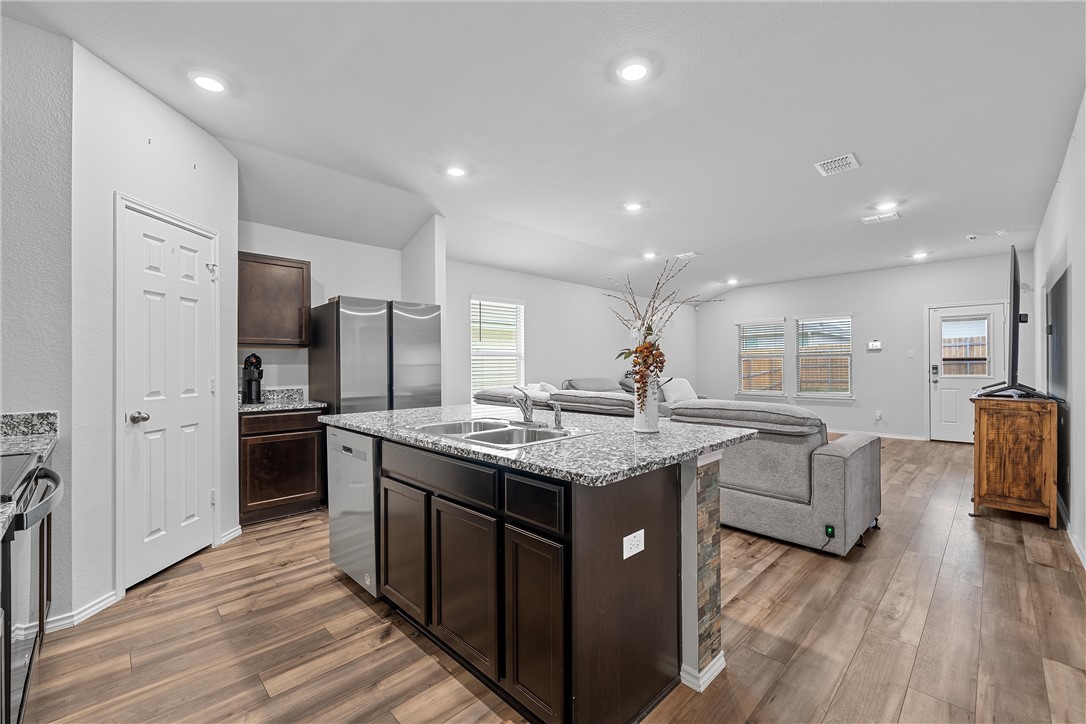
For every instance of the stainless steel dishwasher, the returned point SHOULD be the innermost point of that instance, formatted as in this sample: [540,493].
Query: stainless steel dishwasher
[351,524]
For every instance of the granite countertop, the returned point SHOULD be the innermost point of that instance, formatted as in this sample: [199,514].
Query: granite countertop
[279,400]
[42,444]
[615,453]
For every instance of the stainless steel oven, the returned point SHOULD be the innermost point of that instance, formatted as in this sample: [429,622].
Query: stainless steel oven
[26,561]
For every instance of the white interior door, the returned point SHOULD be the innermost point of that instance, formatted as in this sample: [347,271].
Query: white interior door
[966,351]
[167,357]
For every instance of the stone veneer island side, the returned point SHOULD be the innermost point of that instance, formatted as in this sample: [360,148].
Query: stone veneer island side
[513,559]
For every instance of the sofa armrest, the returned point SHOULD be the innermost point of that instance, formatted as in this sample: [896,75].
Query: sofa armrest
[852,464]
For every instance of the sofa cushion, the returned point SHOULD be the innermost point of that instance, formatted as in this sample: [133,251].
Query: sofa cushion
[748,413]
[796,430]
[678,389]
[600,399]
[592,384]
[502,395]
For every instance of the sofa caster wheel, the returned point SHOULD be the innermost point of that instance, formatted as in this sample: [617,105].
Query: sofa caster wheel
[875,525]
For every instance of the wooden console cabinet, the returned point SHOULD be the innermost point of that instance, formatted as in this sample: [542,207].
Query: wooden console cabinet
[1014,455]
[281,459]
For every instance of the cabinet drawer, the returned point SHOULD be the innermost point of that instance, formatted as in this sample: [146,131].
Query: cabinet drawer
[536,501]
[256,423]
[473,483]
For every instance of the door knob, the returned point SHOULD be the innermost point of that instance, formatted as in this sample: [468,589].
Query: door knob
[935,382]
[137,417]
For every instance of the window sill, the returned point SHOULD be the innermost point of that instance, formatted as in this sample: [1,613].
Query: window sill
[741,393]
[822,396]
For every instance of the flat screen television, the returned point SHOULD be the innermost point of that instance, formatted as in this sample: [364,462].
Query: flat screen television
[1011,387]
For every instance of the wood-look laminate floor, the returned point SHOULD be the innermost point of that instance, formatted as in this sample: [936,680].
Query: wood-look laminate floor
[942,618]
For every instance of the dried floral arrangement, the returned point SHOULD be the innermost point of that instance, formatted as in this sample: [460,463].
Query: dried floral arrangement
[646,324]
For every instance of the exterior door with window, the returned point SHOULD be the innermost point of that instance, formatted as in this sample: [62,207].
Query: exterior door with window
[966,351]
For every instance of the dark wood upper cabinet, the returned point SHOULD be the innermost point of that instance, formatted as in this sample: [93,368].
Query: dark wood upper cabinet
[273,301]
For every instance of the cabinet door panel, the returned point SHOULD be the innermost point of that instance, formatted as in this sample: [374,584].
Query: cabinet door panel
[273,300]
[535,622]
[404,560]
[280,470]
[465,583]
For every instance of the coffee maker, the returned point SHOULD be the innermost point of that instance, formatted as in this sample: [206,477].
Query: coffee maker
[250,380]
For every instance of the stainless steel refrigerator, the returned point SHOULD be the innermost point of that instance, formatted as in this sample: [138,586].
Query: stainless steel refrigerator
[371,354]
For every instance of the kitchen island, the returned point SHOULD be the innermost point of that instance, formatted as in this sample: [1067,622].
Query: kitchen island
[580,577]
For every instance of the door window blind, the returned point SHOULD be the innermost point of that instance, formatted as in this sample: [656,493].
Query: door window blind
[761,356]
[824,356]
[497,344]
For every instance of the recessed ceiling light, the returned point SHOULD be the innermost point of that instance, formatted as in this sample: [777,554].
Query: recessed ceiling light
[634,70]
[886,205]
[920,255]
[634,205]
[733,281]
[649,255]
[688,255]
[456,169]
[207,81]
[1004,232]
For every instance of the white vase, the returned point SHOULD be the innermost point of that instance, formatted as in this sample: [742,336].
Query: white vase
[649,419]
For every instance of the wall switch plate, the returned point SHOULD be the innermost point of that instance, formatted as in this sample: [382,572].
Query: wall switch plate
[874,345]
[633,543]
[878,415]
[911,354]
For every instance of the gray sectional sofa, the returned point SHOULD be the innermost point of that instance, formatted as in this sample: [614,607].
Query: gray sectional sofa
[790,482]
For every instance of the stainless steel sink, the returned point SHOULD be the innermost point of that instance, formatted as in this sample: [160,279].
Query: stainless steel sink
[462,427]
[500,433]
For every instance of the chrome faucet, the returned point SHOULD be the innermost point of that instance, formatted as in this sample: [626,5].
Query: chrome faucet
[524,403]
[557,415]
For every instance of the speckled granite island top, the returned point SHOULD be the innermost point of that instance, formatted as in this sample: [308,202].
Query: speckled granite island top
[615,453]
[281,400]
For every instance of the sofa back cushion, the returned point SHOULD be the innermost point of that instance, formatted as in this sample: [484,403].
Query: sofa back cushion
[763,416]
[592,384]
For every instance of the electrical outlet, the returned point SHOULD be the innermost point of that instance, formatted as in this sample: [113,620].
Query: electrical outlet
[878,415]
[910,354]
[633,543]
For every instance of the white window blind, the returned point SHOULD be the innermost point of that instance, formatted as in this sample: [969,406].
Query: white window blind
[761,356]
[824,356]
[497,344]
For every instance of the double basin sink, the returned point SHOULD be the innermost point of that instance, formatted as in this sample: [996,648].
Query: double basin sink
[501,433]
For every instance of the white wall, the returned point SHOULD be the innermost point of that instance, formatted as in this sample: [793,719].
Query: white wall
[888,305]
[569,330]
[337,267]
[124,139]
[1061,246]
[36,170]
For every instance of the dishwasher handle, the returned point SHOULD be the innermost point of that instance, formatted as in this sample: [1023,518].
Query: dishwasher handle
[53,484]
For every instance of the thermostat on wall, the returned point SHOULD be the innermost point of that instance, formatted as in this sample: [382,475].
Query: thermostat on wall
[874,345]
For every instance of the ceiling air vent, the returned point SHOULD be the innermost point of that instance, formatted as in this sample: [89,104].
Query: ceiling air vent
[880,218]
[837,165]
[688,255]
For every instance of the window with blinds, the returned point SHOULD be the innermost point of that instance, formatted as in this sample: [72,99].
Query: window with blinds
[761,357]
[824,356]
[497,344]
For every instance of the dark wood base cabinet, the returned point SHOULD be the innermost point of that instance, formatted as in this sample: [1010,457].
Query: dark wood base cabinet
[522,579]
[281,460]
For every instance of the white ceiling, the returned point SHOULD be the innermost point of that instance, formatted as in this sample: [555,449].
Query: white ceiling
[342,113]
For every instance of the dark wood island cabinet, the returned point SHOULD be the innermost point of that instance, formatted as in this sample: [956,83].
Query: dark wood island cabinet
[519,577]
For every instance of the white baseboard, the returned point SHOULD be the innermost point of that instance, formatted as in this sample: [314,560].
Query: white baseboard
[231,534]
[66,620]
[880,434]
[1061,506]
[699,680]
